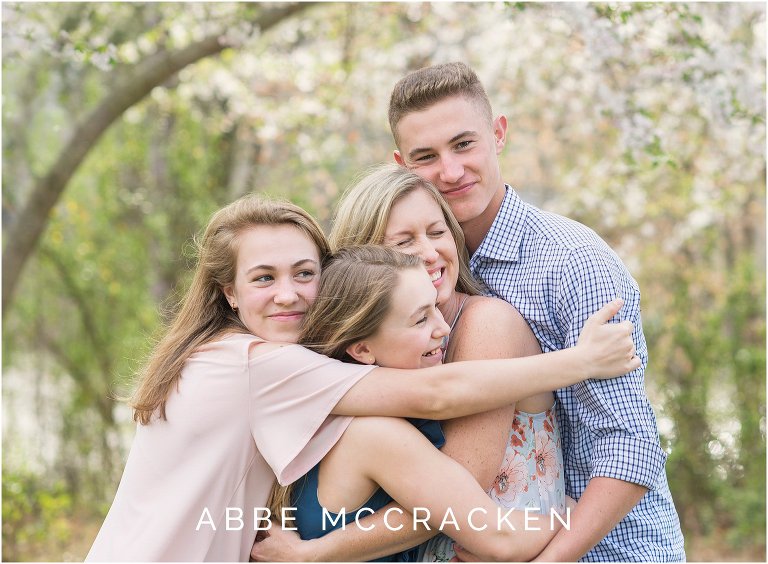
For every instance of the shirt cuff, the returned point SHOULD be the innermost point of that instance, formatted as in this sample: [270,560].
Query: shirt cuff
[629,458]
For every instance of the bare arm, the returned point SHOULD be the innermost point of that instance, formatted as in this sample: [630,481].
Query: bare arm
[395,455]
[403,462]
[489,328]
[378,538]
[417,393]
[461,388]
[604,503]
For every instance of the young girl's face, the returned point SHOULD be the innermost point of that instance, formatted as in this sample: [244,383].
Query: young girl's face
[412,332]
[278,271]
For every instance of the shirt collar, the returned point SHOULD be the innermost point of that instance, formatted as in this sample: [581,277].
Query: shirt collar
[502,242]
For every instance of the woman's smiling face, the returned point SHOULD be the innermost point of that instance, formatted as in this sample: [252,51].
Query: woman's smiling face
[416,226]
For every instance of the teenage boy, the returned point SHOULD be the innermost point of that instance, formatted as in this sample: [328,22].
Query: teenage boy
[556,272]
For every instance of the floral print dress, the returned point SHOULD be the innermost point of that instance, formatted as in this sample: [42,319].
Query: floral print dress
[531,475]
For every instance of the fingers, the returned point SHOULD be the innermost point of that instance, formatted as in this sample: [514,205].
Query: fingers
[626,328]
[633,361]
[605,313]
[260,537]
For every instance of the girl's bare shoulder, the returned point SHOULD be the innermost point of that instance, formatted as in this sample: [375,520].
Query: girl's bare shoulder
[491,328]
[482,308]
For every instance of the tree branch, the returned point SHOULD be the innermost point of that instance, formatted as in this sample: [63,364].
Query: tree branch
[87,317]
[26,230]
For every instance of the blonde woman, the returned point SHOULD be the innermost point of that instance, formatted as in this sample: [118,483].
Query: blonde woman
[513,452]
[227,401]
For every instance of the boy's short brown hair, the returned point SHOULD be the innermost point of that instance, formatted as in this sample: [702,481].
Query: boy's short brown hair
[420,89]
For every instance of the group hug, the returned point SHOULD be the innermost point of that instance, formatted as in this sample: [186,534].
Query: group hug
[449,374]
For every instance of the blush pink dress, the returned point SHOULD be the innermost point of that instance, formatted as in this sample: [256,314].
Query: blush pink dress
[236,421]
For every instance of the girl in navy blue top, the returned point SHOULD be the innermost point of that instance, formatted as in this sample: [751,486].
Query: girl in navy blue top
[377,306]
[312,522]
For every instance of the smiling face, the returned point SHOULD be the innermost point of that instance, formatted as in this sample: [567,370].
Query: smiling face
[278,270]
[453,145]
[412,331]
[417,226]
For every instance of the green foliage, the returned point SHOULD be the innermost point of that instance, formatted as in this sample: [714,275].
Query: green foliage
[34,513]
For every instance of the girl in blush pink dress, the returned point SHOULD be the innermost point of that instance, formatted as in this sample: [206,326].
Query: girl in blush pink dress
[227,401]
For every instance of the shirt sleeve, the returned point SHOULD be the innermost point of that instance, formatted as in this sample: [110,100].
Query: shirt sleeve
[616,413]
[292,393]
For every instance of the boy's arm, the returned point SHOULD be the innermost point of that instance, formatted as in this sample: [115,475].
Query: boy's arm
[626,457]
[604,503]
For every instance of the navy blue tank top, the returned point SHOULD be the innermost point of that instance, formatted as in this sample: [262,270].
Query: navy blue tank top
[309,512]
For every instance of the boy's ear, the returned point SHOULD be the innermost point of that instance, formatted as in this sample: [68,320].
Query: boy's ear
[399,158]
[361,352]
[500,132]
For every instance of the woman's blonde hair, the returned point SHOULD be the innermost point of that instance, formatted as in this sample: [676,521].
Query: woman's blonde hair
[365,207]
[354,298]
[204,313]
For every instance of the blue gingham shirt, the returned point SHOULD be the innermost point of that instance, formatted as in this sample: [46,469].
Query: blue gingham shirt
[557,272]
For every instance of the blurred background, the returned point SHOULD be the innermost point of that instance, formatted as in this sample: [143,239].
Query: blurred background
[125,125]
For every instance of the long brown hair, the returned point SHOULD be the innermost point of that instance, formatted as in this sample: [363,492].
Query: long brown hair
[365,207]
[203,312]
[353,299]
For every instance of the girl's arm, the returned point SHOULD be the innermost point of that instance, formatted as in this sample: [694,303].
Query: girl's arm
[454,390]
[377,537]
[488,328]
[442,392]
[395,455]
[477,442]
[403,462]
